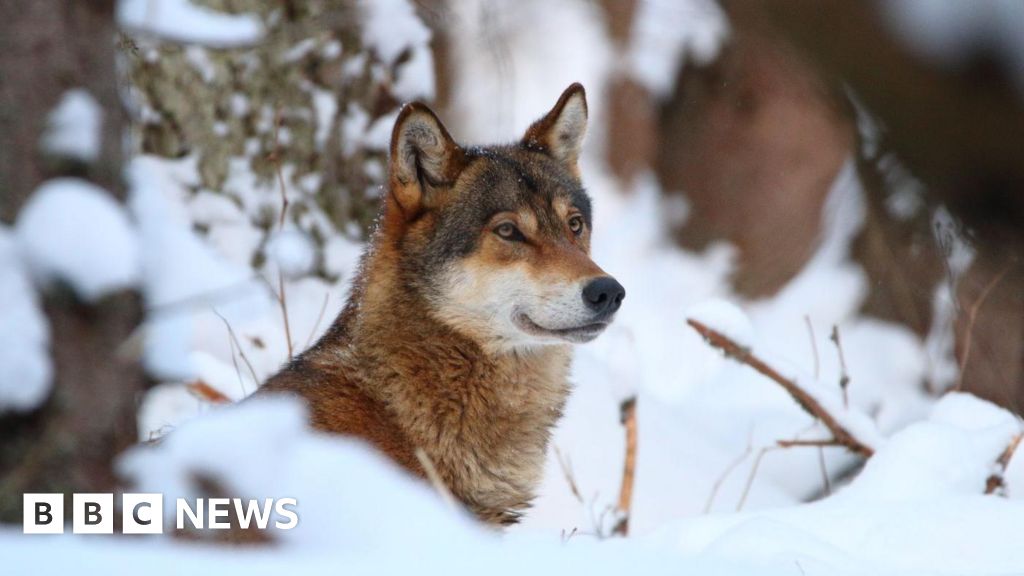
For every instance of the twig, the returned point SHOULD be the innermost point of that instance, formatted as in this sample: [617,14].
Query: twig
[319,319]
[726,473]
[844,376]
[628,418]
[995,482]
[824,471]
[275,158]
[435,478]
[753,473]
[283,301]
[972,316]
[814,347]
[830,442]
[241,352]
[566,466]
[207,392]
[840,434]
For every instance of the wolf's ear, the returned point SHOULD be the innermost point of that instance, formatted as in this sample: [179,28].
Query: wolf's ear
[424,158]
[560,132]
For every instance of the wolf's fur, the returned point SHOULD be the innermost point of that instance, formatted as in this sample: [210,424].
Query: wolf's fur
[456,339]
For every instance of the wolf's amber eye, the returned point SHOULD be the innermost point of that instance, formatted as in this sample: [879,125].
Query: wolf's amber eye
[576,224]
[508,231]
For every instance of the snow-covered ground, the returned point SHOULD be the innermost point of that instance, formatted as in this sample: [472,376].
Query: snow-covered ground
[709,498]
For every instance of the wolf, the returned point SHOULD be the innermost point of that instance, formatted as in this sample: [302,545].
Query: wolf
[453,349]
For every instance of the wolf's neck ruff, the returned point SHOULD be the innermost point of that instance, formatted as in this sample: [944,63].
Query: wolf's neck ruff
[483,419]
[455,339]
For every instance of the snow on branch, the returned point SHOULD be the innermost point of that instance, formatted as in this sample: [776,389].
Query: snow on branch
[842,434]
[183,21]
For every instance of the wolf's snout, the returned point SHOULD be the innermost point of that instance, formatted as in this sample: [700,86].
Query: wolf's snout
[604,295]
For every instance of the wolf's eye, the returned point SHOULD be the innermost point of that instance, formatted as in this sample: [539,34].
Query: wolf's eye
[576,224]
[508,231]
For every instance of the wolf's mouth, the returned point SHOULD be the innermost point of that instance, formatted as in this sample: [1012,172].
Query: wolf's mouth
[576,334]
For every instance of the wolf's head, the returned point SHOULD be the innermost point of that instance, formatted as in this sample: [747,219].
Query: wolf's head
[496,239]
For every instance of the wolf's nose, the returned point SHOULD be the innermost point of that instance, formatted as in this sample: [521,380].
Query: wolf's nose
[604,295]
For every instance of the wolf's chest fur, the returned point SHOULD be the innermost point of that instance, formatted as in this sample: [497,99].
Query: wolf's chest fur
[483,421]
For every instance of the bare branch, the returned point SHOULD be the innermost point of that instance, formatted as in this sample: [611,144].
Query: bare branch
[282,300]
[207,393]
[628,415]
[829,443]
[844,376]
[235,343]
[826,483]
[319,319]
[566,466]
[840,434]
[752,475]
[726,473]
[814,346]
[972,316]
[995,482]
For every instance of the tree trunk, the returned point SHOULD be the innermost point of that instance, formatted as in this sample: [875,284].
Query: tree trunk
[68,444]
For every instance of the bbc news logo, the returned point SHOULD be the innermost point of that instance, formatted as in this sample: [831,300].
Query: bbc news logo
[144,513]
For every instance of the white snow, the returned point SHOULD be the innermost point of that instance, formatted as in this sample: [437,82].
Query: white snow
[74,128]
[360,514]
[72,231]
[703,419]
[391,26]
[726,318]
[182,276]
[666,33]
[187,22]
[25,368]
[263,447]
[416,78]
[292,252]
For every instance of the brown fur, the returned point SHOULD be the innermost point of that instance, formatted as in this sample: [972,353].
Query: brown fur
[393,372]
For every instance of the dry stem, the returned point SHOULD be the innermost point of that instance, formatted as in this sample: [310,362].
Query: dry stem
[995,481]
[814,346]
[628,414]
[844,376]
[235,343]
[726,473]
[972,316]
[840,434]
[282,300]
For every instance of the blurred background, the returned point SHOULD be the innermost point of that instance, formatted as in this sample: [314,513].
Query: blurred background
[185,188]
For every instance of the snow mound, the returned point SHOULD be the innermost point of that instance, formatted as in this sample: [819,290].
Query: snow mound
[72,231]
[183,276]
[918,506]
[292,252]
[726,318]
[390,27]
[25,370]
[187,22]
[349,498]
[953,452]
[74,128]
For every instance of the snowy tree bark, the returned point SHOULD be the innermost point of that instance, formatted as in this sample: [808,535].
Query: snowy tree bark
[67,444]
